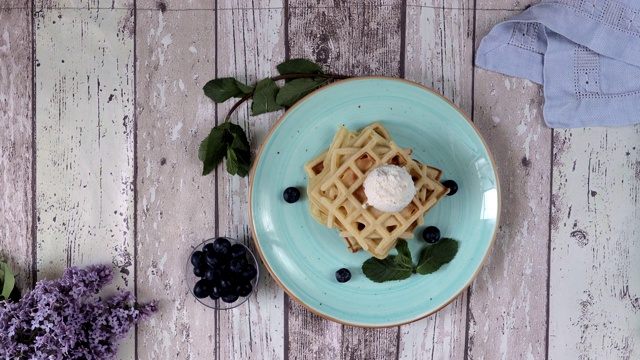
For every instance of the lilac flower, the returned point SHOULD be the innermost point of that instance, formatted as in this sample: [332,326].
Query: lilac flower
[62,319]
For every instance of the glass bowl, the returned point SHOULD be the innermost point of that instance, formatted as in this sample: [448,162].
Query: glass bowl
[221,270]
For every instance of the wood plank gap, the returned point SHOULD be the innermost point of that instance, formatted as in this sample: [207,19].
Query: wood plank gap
[287,45]
[403,53]
[473,92]
[216,211]
[468,322]
[548,313]
[471,117]
[34,212]
[135,169]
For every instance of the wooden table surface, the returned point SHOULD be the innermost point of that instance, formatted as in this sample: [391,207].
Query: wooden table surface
[102,112]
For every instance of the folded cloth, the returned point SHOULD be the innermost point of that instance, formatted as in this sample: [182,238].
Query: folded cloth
[585,53]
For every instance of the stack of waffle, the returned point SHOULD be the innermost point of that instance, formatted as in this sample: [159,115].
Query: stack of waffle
[337,198]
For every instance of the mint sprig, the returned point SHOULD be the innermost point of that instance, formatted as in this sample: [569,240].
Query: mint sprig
[400,266]
[7,281]
[433,257]
[393,267]
[301,77]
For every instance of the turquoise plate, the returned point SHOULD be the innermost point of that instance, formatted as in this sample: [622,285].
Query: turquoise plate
[303,256]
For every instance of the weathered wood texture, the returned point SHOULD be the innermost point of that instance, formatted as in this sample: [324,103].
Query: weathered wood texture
[116,96]
[84,149]
[250,42]
[16,139]
[508,300]
[595,244]
[176,206]
[352,38]
[438,54]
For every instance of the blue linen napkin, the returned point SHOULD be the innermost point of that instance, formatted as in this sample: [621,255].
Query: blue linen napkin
[585,53]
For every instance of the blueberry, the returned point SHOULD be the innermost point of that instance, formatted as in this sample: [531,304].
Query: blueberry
[227,285]
[221,246]
[238,250]
[215,293]
[207,248]
[199,271]
[244,289]
[211,274]
[343,275]
[248,272]
[202,289]
[291,195]
[229,298]
[214,261]
[196,258]
[431,234]
[452,185]
[237,264]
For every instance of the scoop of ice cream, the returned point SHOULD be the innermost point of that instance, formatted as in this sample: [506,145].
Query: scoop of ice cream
[389,188]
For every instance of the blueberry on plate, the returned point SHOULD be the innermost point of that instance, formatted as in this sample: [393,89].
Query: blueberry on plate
[343,275]
[452,185]
[291,195]
[431,234]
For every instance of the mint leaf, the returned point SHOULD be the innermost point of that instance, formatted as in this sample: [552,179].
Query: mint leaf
[434,256]
[299,66]
[220,90]
[240,141]
[212,150]
[246,89]
[393,267]
[8,280]
[264,97]
[226,140]
[296,89]
[237,163]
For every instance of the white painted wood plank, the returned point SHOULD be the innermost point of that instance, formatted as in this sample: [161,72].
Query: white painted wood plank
[82,4]
[595,244]
[250,42]
[84,147]
[508,300]
[176,205]
[439,50]
[350,38]
[16,154]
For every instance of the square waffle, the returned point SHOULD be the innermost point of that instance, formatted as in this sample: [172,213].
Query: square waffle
[337,197]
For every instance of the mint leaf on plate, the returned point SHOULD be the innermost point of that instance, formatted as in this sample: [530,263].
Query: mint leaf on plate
[264,97]
[299,66]
[296,89]
[393,267]
[434,256]
[220,90]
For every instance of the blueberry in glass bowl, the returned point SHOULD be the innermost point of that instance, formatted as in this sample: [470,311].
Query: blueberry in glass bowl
[221,273]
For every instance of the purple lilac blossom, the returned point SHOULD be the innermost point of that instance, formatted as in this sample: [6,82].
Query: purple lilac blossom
[63,319]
